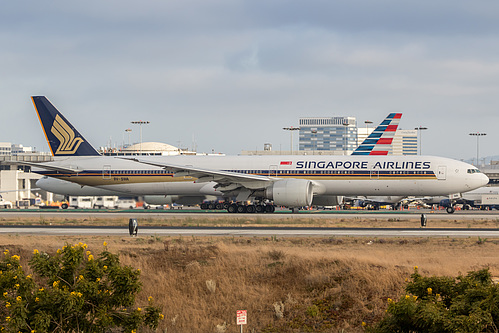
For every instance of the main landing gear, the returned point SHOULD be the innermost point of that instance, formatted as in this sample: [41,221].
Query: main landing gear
[239,207]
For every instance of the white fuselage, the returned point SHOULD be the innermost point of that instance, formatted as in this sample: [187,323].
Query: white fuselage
[331,175]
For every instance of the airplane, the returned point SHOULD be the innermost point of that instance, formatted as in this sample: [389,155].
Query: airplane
[291,181]
[377,143]
[382,136]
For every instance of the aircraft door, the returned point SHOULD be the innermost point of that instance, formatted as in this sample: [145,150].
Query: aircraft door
[442,172]
[106,172]
[273,171]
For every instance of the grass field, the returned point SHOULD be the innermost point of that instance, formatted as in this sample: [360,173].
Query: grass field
[286,284]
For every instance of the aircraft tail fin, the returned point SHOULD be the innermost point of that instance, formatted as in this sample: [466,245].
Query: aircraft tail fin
[380,140]
[62,137]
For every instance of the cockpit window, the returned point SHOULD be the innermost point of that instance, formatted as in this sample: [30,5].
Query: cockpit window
[474,171]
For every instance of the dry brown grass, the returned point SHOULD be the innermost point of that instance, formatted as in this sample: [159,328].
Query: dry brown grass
[350,277]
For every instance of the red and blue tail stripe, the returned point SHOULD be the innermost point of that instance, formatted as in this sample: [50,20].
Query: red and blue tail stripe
[380,140]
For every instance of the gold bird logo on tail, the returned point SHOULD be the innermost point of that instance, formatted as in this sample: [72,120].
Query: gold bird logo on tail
[68,142]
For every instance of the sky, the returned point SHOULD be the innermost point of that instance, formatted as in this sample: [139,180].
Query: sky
[227,76]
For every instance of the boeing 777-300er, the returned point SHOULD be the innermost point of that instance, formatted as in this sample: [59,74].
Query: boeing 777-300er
[291,181]
[377,143]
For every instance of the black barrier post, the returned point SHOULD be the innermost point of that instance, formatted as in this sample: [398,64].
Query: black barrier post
[133,227]
[423,221]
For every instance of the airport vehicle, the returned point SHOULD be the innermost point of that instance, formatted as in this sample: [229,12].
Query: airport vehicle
[291,181]
[5,203]
[81,202]
[108,201]
[125,203]
[484,198]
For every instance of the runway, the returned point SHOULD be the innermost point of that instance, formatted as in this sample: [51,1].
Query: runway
[251,231]
[196,213]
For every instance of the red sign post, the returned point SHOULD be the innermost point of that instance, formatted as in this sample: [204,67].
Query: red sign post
[242,318]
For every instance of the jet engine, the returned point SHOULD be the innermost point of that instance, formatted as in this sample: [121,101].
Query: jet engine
[291,192]
[327,200]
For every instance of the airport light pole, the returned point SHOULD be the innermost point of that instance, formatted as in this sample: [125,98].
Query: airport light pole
[367,122]
[128,130]
[478,135]
[291,129]
[419,129]
[140,123]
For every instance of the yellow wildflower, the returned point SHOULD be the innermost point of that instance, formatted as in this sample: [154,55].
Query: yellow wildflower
[7,319]
[17,286]
[364,324]
[16,257]
[59,251]
[429,291]
[7,304]
[415,267]
[105,267]
[139,309]
[90,257]
[56,284]
[5,294]
[149,298]
[18,298]
[37,299]
[6,252]
[105,243]
[98,279]
[89,253]
[35,251]
[407,296]
[41,289]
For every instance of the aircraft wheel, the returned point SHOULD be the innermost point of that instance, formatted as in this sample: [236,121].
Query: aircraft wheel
[226,205]
[450,209]
[204,206]
[232,208]
[241,209]
[211,206]
[269,209]
[250,209]
[259,208]
[218,206]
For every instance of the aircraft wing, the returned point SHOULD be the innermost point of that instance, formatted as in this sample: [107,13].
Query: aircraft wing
[224,179]
[43,166]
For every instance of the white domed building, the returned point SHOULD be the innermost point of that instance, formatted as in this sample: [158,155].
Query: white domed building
[149,149]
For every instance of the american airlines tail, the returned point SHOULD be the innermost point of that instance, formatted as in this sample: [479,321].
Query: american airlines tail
[62,137]
[380,140]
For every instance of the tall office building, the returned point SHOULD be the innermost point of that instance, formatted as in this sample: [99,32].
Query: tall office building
[405,142]
[328,134]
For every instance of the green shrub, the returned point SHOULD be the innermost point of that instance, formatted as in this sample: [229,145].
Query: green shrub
[71,291]
[444,304]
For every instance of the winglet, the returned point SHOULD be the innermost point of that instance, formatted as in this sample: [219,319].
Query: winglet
[379,141]
[62,137]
